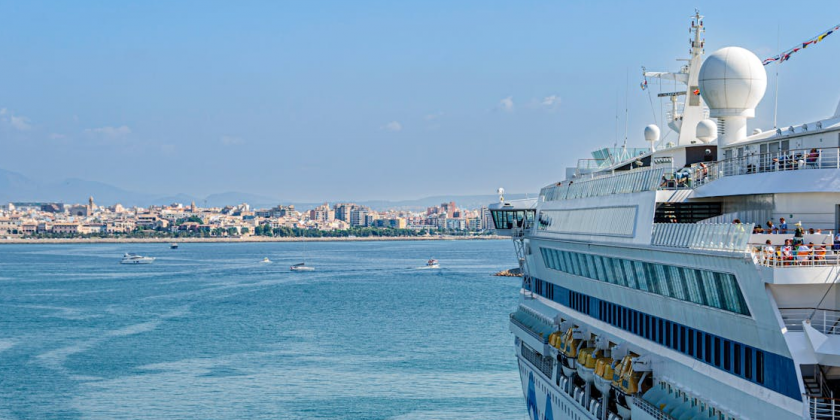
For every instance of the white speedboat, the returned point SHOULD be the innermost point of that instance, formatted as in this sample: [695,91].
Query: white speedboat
[432,263]
[173,246]
[301,267]
[136,259]
[266,260]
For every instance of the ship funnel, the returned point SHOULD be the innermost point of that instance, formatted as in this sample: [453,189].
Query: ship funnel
[732,82]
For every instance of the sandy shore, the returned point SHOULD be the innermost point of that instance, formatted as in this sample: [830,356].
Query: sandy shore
[247,239]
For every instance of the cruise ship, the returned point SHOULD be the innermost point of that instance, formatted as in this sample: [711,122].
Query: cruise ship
[654,286]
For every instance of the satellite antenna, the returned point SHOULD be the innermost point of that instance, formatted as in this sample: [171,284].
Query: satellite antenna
[501,192]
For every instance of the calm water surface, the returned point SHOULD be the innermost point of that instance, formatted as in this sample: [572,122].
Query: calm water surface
[210,332]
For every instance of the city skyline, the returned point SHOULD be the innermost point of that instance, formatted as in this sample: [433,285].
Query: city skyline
[367,100]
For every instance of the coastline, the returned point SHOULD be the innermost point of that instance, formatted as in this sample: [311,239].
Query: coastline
[249,239]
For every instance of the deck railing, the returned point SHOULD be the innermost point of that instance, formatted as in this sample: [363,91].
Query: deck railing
[820,408]
[710,236]
[622,182]
[826,321]
[779,257]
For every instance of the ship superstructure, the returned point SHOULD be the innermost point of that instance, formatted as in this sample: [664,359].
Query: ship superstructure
[654,287]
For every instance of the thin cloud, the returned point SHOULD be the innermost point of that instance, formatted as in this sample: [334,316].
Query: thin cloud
[109,132]
[232,141]
[19,123]
[550,101]
[57,136]
[393,126]
[432,117]
[506,104]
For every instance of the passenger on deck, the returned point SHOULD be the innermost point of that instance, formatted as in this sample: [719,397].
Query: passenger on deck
[819,253]
[811,231]
[768,251]
[771,228]
[813,157]
[836,245]
[798,234]
[787,251]
[782,226]
[803,254]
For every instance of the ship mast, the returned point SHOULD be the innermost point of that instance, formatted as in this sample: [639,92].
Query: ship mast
[693,109]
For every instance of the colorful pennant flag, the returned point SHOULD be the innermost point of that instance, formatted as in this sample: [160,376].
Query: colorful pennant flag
[785,55]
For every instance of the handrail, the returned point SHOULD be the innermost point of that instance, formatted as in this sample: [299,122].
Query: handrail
[539,336]
[826,321]
[793,258]
[822,408]
[619,182]
[712,236]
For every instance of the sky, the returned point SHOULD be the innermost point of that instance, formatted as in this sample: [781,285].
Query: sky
[326,100]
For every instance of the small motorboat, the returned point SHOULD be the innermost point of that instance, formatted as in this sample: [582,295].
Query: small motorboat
[173,246]
[266,260]
[432,263]
[301,267]
[136,259]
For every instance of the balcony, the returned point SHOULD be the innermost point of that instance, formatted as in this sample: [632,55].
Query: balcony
[704,236]
[820,257]
[826,321]
[820,408]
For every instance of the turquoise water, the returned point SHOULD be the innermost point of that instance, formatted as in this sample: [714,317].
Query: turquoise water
[210,332]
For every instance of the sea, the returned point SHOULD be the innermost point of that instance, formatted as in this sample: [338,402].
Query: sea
[209,331]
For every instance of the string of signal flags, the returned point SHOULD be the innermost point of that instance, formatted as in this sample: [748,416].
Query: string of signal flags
[785,56]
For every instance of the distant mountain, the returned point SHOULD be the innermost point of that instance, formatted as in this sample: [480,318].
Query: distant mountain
[15,187]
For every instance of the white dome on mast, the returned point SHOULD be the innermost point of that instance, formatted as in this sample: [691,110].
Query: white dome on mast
[732,82]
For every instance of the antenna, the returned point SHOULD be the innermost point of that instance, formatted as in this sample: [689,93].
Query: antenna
[776,95]
[626,110]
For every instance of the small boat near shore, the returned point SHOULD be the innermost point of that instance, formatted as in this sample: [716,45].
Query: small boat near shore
[129,258]
[431,264]
[301,267]
[173,246]
[266,260]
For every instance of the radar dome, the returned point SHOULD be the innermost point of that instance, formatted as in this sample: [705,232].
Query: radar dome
[706,131]
[732,82]
[652,133]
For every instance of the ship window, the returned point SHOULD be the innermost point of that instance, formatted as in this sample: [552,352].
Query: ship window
[682,339]
[641,278]
[691,342]
[660,336]
[630,272]
[707,353]
[668,333]
[727,358]
[717,351]
[662,280]
[675,337]
[676,283]
[699,339]
[759,366]
[711,289]
[748,362]
[737,359]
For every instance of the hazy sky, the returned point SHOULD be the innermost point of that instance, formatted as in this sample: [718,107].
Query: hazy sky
[316,100]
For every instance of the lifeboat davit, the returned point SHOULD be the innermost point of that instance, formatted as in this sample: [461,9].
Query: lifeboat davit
[569,352]
[628,381]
